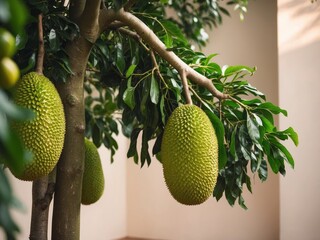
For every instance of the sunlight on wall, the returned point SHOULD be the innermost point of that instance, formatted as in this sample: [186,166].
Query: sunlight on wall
[299,60]
[296,22]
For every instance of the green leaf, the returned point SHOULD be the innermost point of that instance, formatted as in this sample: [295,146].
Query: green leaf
[263,170]
[162,110]
[270,155]
[53,40]
[253,129]
[157,145]
[242,202]
[13,111]
[173,31]
[96,135]
[130,70]
[219,129]
[292,134]
[154,90]
[15,15]
[21,40]
[133,143]
[145,156]
[233,142]
[272,108]
[268,126]
[120,63]
[128,97]
[219,188]
[208,59]
[230,198]
[15,156]
[248,183]
[230,70]
[284,150]
[254,91]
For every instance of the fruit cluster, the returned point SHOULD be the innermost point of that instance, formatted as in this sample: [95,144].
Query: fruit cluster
[9,71]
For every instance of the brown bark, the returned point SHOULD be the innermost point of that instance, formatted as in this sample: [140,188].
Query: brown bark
[67,200]
[42,192]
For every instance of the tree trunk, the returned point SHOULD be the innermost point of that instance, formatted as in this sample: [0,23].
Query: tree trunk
[42,192]
[67,199]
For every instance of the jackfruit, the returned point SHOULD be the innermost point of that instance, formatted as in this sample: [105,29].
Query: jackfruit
[44,135]
[189,154]
[93,178]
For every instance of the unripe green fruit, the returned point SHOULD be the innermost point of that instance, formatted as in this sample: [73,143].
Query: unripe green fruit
[7,43]
[189,154]
[43,135]
[93,178]
[9,73]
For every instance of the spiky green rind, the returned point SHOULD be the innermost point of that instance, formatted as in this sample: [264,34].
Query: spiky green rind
[44,135]
[189,154]
[93,178]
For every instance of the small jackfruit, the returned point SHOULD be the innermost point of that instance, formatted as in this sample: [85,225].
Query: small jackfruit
[43,135]
[93,178]
[189,154]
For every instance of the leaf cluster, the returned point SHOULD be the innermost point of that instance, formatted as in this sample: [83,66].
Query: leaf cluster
[146,89]
[57,31]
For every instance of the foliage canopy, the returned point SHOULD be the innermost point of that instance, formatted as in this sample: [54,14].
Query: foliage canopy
[129,86]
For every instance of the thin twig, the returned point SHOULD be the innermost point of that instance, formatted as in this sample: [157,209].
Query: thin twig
[237,101]
[186,92]
[40,57]
[116,24]
[129,33]
[155,64]
[197,96]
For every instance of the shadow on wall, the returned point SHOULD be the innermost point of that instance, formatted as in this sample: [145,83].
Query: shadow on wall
[295,12]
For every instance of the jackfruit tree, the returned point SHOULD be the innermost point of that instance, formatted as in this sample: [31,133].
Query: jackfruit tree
[132,59]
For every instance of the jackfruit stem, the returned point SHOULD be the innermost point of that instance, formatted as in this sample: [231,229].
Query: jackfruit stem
[185,86]
[40,57]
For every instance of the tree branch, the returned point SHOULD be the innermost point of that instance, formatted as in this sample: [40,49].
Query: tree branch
[158,46]
[89,20]
[107,18]
[76,8]
[42,193]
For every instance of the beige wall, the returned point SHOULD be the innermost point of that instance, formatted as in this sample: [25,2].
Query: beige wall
[299,71]
[152,212]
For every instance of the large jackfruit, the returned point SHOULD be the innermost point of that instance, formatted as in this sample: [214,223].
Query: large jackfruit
[93,178]
[189,154]
[44,135]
